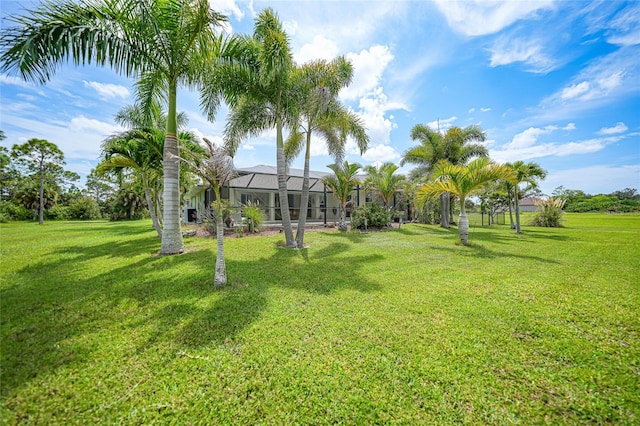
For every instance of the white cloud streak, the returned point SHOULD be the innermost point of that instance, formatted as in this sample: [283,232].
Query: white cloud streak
[478,17]
[618,128]
[108,91]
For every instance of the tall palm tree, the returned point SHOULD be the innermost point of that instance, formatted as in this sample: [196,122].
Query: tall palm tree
[383,182]
[164,44]
[528,173]
[216,167]
[256,79]
[457,146]
[463,181]
[342,183]
[321,113]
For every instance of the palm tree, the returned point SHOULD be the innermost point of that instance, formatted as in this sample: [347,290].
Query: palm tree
[141,152]
[164,44]
[383,182]
[463,181]
[256,79]
[525,173]
[216,167]
[141,149]
[456,146]
[342,183]
[321,112]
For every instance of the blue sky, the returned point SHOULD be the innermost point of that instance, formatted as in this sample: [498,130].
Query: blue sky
[555,82]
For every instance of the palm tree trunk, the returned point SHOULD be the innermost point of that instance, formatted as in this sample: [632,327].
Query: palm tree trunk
[152,211]
[444,210]
[171,234]
[157,205]
[304,197]
[515,197]
[220,277]
[342,225]
[41,201]
[509,202]
[282,187]
[463,223]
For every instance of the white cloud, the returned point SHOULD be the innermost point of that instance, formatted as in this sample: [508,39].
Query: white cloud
[15,81]
[320,48]
[381,153]
[485,109]
[623,28]
[83,125]
[227,7]
[531,149]
[569,126]
[507,50]
[471,110]
[108,91]
[575,90]
[477,17]
[442,123]
[529,137]
[605,80]
[618,128]
[368,67]
[372,110]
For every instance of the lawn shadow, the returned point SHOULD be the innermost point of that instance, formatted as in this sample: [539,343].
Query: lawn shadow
[40,330]
[251,284]
[473,249]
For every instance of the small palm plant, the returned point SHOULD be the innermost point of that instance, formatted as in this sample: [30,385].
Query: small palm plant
[463,181]
[216,167]
[254,215]
[342,183]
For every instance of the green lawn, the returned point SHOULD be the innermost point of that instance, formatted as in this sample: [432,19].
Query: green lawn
[401,327]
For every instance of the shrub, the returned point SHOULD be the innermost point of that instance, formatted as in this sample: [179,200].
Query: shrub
[550,213]
[376,215]
[58,212]
[84,208]
[11,211]
[254,216]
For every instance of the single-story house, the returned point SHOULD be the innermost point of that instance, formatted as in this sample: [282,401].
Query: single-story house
[529,204]
[259,184]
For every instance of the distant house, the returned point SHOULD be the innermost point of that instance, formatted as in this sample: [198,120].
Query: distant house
[259,184]
[529,204]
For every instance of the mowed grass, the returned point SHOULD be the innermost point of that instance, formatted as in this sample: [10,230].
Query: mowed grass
[396,327]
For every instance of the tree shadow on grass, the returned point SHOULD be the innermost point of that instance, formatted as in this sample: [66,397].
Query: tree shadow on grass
[59,298]
[320,272]
[474,249]
[63,304]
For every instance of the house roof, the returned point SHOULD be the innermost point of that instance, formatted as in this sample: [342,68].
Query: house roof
[271,170]
[530,201]
[265,177]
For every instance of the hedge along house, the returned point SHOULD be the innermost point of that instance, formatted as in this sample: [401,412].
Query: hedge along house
[259,184]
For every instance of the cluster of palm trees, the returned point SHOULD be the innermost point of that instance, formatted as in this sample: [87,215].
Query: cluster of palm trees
[168,44]
[457,164]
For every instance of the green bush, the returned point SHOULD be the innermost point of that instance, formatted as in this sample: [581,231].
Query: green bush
[10,211]
[84,208]
[58,212]
[253,214]
[550,213]
[376,215]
